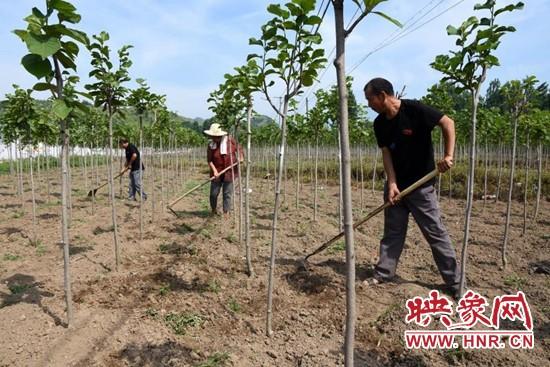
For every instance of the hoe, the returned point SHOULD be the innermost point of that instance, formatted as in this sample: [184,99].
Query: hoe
[401,195]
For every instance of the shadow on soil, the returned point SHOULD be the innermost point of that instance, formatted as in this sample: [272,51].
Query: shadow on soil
[155,355]
[25,289]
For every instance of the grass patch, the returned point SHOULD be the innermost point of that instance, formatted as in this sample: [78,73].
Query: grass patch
[213,286]
[515,281]
[206,233]
[151,312]
[216,360]
[386,317]
[184,229]
[180,322]
[339,246]
[231,238]
[234,305]
[18,288]
[40,250]
[18,214]
[164,289]
[11,257]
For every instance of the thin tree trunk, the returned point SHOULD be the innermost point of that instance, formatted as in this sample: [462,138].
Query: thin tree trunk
[500,164]
[510,190]
[485,175]
[470,192]
[361,172]
[48,173]
[315,183]
[271,279]
[526,187]
[233,189]
[539,181]
[20,176]
[34,236]
[298,177]
[64,199]
[141,178]
[162,181]
[239,181]
[69,188]
[346,183]
[340,187]
[249,268]
[112,193]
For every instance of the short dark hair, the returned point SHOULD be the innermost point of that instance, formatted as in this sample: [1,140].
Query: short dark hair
[122,141]
[379,85]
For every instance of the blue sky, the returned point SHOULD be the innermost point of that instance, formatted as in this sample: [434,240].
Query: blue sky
[183,48]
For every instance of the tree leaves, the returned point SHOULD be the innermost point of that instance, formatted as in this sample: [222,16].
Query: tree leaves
[60,109]
[387,17]
[37,66]
[42,45]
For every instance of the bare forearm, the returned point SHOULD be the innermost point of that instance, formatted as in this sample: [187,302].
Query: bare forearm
[388,166]
[448,131]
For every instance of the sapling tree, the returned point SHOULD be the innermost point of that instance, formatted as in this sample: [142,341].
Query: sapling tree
[53,48]
[108,92]
[21,123]
[161,120]
[466,68]
[366,7]
[540,130]
[290,54]
[517,97]
[244,83]
[140,99]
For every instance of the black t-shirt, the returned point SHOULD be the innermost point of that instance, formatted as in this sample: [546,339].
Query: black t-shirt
[130,150]
[408,136]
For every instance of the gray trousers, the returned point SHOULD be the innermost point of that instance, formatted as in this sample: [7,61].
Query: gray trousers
[134,185]
[215,187]
[422,204]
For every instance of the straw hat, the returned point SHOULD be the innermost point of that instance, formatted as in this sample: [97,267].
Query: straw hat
[215,130]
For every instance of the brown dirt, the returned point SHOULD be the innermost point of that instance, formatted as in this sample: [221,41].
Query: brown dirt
[194,266]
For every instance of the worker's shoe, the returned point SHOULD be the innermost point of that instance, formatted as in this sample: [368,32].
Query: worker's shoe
[374,281]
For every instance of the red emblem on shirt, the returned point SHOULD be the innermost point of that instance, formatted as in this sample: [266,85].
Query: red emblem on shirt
[407,132]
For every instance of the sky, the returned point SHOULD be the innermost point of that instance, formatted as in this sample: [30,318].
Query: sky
[183,48]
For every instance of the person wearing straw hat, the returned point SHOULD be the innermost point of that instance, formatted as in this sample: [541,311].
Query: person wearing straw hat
[221,154]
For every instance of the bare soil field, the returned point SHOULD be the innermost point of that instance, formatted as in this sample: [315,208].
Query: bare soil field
[182,296]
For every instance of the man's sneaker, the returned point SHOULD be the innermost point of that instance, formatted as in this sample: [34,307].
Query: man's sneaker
[131,198]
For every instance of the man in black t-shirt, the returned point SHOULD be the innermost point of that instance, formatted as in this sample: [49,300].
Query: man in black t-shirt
[133,162]
[403,131]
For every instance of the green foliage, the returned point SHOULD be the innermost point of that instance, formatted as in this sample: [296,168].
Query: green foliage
[53,47]
[40,250]
[515,281]
[234,305]
[477,40]
[180,322]
[140,98]
[213,286]
[336,248]
[164,289]
[108,91]
[290,50]
[216,360]
[18,288]
[11,257]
